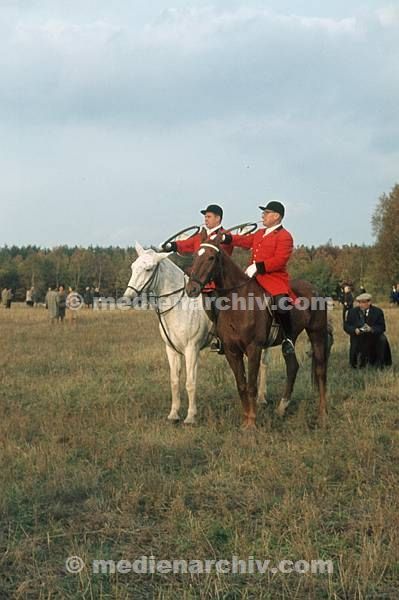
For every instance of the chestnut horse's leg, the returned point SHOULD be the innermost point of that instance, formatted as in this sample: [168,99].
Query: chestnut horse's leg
[262,379]
[236,362]
[319,340]
[292,367]
[254,353]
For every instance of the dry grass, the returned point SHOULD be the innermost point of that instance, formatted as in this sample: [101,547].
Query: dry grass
[89,466]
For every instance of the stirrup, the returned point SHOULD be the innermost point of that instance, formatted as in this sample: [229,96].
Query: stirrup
[288,346]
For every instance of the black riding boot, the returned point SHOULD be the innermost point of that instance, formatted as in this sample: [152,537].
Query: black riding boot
[284,318]
[213,313]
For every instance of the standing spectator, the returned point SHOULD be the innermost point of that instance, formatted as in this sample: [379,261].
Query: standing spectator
[10,297]
[347,301]
[29,297]
[49,289]
[393,297]
[35,297]
[97,298]
[72,306]
[339,292]
[4,294]
[52,304]
[368,343]
[62,297]
[88,297]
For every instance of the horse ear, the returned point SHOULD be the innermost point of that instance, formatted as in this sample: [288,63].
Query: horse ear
[139,249]
[203,234]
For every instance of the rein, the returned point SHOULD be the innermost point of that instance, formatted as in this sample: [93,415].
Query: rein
[160,313]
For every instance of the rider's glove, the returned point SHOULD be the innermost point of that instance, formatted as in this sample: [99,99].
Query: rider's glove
[255,269]
[251,270]
[169,247]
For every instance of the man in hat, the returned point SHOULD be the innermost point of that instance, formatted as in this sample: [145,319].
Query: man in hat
[271,251]
[213,215]
[368,343]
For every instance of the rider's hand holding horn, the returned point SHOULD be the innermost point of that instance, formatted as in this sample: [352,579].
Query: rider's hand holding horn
[169,247]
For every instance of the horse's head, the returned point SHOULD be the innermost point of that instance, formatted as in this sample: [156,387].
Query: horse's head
[206,262]
[144,270]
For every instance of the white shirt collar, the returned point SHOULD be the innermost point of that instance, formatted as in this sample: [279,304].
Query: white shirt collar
[209,231]
[270,229]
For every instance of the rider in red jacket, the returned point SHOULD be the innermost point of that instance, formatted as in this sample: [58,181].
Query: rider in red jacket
[213,216]
[271,250]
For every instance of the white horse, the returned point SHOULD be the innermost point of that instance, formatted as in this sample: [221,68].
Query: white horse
[183,323]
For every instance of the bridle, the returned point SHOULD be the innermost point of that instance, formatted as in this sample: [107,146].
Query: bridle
[147,283]
[193,277]
[209,277]
[156,297]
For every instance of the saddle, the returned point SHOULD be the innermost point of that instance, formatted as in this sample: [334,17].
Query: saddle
[276,333]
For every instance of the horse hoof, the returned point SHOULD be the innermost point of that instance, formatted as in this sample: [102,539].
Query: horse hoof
[282,407]
[174,419]
[322,421]
[261,402]
[189,421]
[248,427]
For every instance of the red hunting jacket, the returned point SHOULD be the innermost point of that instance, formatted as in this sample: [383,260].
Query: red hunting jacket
[192,245]
[274,250]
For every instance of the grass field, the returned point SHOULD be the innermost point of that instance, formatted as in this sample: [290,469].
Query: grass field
[90,467]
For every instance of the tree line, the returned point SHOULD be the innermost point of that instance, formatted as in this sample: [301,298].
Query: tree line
[375,267]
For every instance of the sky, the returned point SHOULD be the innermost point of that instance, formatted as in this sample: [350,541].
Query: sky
[120,120]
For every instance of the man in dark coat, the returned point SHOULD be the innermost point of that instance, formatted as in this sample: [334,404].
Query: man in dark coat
[368,343]
[347,301]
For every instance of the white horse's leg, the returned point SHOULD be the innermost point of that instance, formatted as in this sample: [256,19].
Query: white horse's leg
[174,359]
[191,356]
[282,407]
[262,380]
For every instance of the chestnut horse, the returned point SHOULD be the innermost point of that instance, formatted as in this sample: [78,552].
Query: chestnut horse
[244,324]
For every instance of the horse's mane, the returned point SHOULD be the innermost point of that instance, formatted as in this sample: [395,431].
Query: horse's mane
[169,258]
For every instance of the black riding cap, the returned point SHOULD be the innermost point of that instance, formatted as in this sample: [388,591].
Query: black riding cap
[274,206]
[215,209]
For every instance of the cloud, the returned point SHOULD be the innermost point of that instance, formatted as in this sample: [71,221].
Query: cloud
[166,116]
[189,65]
[388,16]
[194,59]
